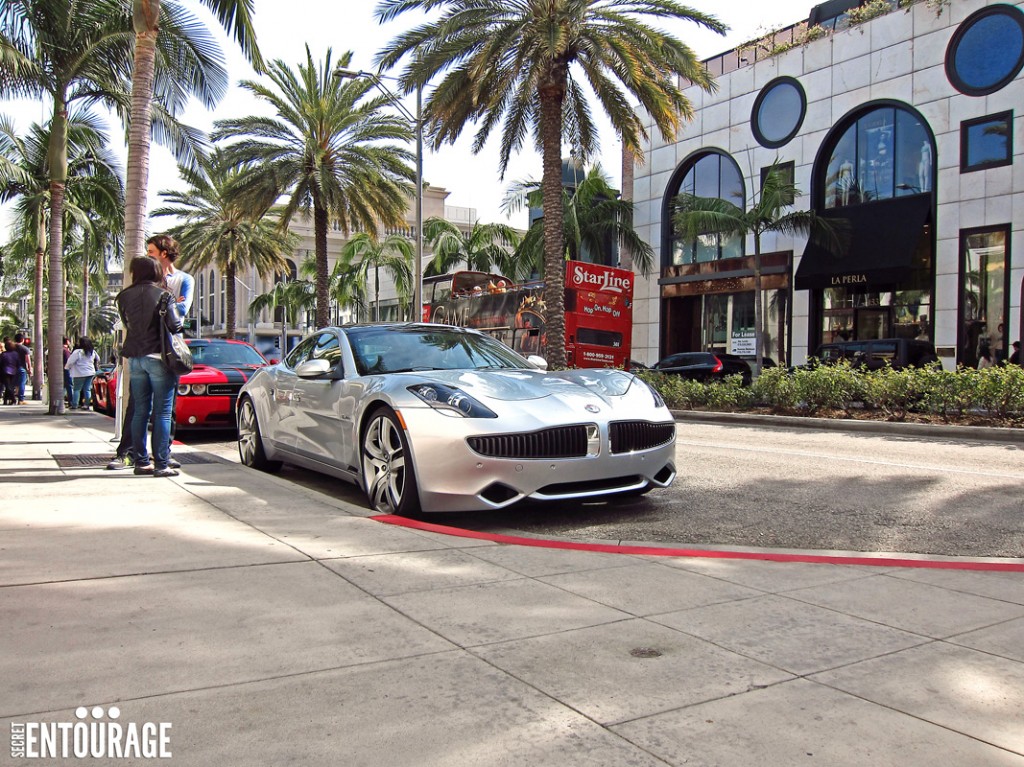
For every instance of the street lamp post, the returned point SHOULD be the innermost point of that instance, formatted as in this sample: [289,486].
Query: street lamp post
[417,122]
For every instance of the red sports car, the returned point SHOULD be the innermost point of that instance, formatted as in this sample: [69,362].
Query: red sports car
[206,396]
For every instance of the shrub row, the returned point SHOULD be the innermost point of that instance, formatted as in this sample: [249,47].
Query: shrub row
[996,392]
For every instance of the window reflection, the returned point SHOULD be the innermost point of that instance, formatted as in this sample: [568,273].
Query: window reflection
[712,175]
[885,153]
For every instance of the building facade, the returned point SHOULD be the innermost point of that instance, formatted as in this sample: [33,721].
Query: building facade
[905,131]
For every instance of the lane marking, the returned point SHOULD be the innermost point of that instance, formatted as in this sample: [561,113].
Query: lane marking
[862,560]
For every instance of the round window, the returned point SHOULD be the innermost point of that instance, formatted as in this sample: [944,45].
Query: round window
[987,50]
[778,112]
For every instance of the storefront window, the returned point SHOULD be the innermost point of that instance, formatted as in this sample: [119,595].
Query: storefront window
[885,153]
[727,324]
[983,300]
[860,314]
[712,175]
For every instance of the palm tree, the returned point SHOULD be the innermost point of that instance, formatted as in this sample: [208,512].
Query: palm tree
[295,297]
[530,66]
[219,228]
[327,149]
[348,291]
[394,255]
[595,219]
[92,196]
[202,75]
[74,51]
[483,248]
[700,216]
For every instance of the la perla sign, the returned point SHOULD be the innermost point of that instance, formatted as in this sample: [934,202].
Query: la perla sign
[850,279]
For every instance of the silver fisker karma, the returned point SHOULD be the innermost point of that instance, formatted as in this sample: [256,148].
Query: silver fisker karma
[435,418]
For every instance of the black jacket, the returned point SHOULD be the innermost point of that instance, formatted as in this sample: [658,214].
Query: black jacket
[139,306]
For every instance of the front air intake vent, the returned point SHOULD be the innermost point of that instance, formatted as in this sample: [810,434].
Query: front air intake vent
[560,442]
[628,436]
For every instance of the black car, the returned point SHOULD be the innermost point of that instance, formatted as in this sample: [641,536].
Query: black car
[876,353]
[705,366]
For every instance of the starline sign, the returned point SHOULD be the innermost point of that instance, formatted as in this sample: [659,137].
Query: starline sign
[598,278]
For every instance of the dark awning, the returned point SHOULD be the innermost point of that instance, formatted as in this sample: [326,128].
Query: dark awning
[880,249]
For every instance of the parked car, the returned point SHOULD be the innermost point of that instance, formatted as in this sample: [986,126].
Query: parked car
[705,366]
[441,418]
[873,354]
[207,395]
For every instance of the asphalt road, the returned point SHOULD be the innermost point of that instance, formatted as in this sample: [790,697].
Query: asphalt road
[785,488]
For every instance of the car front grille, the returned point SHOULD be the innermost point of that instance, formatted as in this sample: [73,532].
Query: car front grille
[559,442]
[627,436]
[224,389]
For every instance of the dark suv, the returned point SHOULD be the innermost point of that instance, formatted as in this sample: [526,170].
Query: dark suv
[877,353]
[705,366]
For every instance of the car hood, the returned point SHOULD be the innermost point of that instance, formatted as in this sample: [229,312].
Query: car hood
[523,385]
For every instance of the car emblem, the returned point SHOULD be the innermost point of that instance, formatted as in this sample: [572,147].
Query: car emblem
[592,409]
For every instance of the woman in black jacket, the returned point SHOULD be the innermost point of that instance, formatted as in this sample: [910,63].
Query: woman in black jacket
[152,384]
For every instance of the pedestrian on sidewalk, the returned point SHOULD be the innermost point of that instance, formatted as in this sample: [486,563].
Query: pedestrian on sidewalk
[24,365]
[152,384]
[67,373]
[82,364]
[9,360]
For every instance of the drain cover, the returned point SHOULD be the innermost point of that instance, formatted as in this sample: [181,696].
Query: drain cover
[645,652]
[79,460]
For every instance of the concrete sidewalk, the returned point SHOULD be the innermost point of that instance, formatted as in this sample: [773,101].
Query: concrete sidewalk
[270,625]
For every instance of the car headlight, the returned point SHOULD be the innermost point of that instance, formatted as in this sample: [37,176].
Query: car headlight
[451,401]
[199,389]
[184,389]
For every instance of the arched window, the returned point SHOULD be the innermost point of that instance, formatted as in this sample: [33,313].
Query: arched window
[710,174]
[882,153]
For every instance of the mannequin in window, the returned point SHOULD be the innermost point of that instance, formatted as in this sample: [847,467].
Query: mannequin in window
[924,167]
[844,182]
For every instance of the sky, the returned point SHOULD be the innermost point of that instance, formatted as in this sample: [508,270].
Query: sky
[284,27]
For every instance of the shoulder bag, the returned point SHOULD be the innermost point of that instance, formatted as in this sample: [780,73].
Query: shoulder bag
[173,349]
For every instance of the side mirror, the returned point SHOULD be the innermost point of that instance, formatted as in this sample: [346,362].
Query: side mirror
[313,368]
[538,361]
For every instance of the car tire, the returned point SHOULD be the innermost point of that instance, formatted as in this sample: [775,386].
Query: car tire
[389,479]
[250,443]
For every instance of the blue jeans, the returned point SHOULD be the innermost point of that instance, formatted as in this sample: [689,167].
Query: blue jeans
[22,383]
[152,386]
[81,385]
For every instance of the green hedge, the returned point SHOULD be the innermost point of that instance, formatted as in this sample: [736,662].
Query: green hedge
[996,392]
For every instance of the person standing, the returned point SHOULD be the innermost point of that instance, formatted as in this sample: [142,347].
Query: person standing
[1015,356]
[164,249]
[24,365]
[152,384]
[67,373]
[9,361]
[81,364]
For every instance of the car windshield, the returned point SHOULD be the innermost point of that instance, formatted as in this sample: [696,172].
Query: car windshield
[401,349]
[225,355]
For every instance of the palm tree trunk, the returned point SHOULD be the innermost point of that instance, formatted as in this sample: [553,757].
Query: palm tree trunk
[37,318]
[758,309]
[84,331]
[229,275]
[57,156]
[323,297]
[551,98]
[146,15]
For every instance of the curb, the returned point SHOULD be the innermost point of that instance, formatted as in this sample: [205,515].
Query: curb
[919,430]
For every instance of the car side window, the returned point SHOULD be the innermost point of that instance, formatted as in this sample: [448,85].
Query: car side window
[300,353]
[327,348]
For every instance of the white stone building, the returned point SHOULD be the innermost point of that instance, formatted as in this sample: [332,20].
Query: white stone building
[907,127]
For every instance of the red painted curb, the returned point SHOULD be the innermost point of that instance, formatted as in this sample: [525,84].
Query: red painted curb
[661,551]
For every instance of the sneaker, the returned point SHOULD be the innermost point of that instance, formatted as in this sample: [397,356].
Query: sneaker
[144,469]
[173,463]
[120,462]
[168,472]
